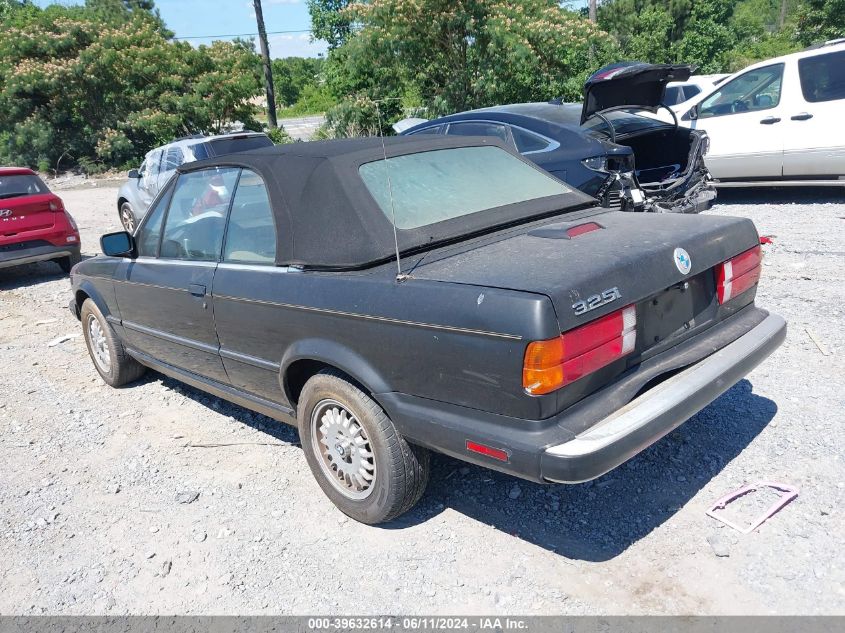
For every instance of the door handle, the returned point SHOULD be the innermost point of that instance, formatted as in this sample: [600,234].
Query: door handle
[803,116]
[769,120]
[198,290]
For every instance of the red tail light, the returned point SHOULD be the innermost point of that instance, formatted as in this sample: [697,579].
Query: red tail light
[738,274]
[56,205]
[551,364]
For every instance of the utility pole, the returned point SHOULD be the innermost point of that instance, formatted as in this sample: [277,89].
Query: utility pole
[593,11]
[268,68]
[782,16]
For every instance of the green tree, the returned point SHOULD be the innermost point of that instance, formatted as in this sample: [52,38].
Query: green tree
[458,55]
[708,37]
[623,19]
[652,40]
[330,22]
[119,11]
[77,87]
[291,75]
[820,20]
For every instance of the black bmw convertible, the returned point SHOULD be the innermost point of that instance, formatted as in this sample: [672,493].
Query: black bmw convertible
[431,293]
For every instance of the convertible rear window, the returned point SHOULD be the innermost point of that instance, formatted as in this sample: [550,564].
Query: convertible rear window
[439,185]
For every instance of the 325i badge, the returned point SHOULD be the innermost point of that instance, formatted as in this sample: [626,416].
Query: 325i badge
[596,301]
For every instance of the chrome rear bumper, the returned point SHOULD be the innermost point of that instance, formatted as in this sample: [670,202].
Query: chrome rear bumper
[661,409]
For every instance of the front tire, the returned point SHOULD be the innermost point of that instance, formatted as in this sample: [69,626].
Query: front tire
[111,361]
[358,458]
[127,218]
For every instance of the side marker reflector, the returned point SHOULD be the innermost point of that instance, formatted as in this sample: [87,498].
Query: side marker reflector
[489,451]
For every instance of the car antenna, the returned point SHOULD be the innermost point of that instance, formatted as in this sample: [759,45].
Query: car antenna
[400,277]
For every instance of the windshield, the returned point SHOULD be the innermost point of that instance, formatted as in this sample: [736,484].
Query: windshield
[18,185]
[439,185]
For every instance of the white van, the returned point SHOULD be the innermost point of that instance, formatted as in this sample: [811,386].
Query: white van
[781,121]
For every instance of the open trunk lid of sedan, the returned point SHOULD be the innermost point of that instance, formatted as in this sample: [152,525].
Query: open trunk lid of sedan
[630,84]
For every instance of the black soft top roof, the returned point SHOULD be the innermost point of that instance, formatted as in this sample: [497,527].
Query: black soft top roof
[325,215]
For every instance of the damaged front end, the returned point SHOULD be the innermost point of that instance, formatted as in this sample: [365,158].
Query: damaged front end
[621,102]
[683,188]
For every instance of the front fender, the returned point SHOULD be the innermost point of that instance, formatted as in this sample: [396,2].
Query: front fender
[87,287]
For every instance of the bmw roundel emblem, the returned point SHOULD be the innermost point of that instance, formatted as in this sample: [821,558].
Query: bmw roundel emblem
[682,261]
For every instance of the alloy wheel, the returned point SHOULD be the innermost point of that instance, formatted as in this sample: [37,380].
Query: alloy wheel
[99,344]
[343,449]
[127,218]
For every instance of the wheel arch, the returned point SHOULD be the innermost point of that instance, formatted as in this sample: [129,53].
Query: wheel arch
[308,357]
[87,290]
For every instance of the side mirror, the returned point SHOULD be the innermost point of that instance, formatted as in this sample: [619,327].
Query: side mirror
[693,112]
[133,173]
[119,244]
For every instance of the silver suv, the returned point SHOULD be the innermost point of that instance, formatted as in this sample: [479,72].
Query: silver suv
[144,183]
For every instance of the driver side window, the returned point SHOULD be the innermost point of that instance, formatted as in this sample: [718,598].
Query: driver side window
[150,230]
[751,92]
[194,226]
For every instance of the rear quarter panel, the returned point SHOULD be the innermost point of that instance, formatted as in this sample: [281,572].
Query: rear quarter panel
[450,342]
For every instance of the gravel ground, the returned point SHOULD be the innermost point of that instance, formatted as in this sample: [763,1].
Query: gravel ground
[156,498]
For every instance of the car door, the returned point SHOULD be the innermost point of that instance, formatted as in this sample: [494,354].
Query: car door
[246,276]
[164,294]
[148,184]
[745,121]
[814,143]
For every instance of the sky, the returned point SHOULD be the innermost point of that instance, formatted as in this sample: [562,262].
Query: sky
[191,18]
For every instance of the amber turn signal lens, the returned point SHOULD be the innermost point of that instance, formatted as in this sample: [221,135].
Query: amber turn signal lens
[543,368]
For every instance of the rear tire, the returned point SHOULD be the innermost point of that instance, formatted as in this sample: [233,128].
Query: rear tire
[358,458]
[66,263]
[127,218]
[107,352]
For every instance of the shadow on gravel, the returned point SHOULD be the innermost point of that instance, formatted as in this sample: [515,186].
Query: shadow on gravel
[277,431]
[599,520]
[595,521]
[781,195]
[28,275]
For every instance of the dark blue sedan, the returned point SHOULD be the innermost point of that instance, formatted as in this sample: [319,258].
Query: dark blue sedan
[619,152]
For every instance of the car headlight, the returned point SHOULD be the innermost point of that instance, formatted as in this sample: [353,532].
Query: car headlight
[596,163]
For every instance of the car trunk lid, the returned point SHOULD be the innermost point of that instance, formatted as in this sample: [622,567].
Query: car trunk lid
[595,265]
[26,213]
[625,84]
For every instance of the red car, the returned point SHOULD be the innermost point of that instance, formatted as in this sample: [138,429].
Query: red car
[34,225]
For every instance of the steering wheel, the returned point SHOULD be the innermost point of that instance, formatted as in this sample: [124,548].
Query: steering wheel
[739,106]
